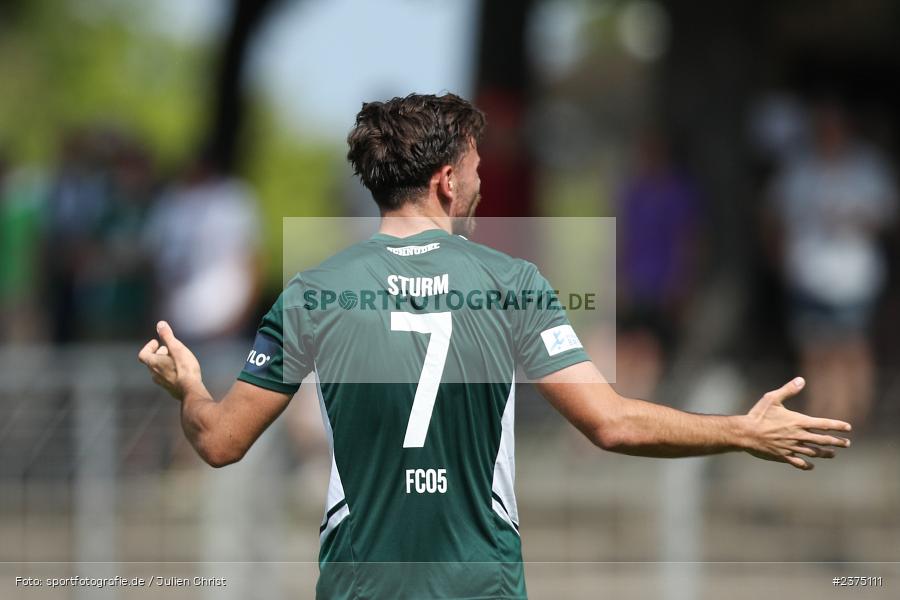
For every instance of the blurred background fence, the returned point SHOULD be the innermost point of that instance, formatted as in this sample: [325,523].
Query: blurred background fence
[149,152]
[97,480]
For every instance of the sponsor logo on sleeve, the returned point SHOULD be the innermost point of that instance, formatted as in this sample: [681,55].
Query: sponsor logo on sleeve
[264,348]
[559,339]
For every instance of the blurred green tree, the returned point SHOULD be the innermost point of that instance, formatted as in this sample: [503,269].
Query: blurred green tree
[65,64]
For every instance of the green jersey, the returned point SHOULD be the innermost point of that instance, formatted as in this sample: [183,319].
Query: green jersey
[415,343]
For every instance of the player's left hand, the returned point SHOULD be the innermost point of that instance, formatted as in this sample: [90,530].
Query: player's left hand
[172,365]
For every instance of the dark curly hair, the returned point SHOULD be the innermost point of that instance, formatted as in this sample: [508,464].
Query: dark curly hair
[396,146]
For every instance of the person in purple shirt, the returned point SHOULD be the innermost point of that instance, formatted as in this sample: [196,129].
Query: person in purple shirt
[658,222]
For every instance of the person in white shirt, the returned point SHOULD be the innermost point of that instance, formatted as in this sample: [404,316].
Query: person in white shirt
[832,202]
[204,236]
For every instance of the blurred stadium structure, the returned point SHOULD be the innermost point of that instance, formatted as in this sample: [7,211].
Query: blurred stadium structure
[108,108]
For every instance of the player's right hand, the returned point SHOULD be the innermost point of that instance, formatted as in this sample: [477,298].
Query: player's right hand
[783,435]
[172,365]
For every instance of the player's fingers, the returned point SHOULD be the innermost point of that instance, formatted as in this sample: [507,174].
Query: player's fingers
[813,451]
[791,388]
[826,424]
[825,440]
[799,463]
[804,450]
[822,452]
[152,360]
[159,363]
[148,349]
[163,351]
[168,338]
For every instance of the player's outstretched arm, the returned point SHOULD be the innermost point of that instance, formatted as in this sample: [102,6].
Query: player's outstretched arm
[613,422]
[220,432]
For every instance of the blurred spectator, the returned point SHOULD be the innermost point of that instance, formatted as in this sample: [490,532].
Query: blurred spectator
[831,203]
[77,201]
[506,169]
[507,176]
[21,204]
[778,126]
[658,224]
[204,237]
[125,285]
[96,207]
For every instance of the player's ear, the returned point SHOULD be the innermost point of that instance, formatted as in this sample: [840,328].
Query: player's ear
[445,183]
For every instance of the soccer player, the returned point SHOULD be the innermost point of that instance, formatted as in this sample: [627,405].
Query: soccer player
[415,375]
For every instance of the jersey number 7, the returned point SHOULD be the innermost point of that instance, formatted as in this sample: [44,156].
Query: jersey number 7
[440,326]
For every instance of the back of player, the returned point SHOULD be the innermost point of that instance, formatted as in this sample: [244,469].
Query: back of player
[415,343]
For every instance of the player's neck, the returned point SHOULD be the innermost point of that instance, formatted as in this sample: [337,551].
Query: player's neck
[411,219]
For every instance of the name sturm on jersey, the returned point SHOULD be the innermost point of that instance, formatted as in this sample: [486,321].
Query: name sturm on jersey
[418,287]
[413,250]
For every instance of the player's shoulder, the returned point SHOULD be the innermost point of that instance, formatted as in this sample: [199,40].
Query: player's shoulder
[350,256]
[335,272]
[492,258]
[340,264]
